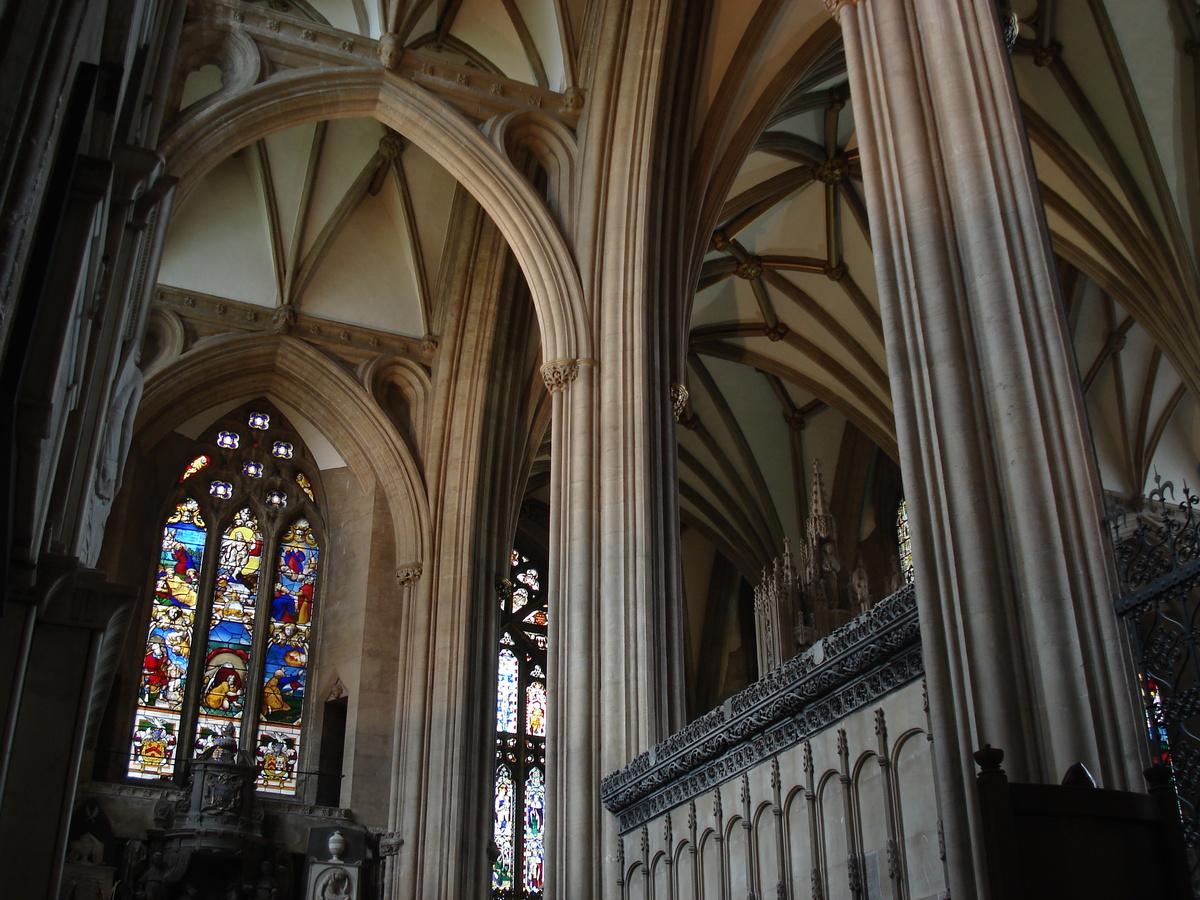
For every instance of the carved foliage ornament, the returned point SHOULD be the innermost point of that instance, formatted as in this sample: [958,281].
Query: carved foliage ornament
[409,574]
[749,268]
[679,399]
[559,374]
[391,145]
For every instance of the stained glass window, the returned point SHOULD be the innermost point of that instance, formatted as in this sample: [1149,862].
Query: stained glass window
[231,614]
[533,846]
[193,467]
[506,692]
[306,486]
[535,709]
[287,659]
[520,798]
[230,643]
[167,657]
[902,536]
[502,871]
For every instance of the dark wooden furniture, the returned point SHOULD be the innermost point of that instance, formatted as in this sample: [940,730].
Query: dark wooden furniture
[1075,840]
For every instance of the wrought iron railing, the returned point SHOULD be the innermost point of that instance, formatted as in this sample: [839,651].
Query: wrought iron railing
[1158,562]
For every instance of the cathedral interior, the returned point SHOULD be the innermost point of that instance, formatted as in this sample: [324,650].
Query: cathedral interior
[581,449]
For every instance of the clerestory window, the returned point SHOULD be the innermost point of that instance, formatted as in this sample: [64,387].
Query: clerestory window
[233,604]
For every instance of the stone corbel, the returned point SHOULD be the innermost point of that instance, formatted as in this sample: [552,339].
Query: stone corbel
[135,169]
[390,51]
[283,320]
[559,374]
[409,575]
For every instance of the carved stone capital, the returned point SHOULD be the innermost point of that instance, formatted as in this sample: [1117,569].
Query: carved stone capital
[835,6]
[559,374]
[409,574]
[390,843]
[679,399]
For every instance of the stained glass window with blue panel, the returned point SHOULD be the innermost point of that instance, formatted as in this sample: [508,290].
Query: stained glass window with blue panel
[286,668]
[167,656]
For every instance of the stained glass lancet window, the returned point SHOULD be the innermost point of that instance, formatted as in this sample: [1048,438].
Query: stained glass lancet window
[905,542]
[230,645]
[167,659]
[233,606]
[520,785]
[287,659]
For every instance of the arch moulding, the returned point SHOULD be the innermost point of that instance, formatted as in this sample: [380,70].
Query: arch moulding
[238,368]
[307,95]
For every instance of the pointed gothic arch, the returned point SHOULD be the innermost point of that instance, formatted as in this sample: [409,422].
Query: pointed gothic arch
[304,96]
[236,367]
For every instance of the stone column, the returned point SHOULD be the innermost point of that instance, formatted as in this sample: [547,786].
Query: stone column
[616,653]
[572,761]
[1021,644]
[72,612]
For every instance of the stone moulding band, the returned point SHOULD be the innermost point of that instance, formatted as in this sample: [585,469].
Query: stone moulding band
[862,661]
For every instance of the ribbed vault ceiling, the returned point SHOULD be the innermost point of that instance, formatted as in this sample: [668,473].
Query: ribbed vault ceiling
[527,40]
[786,359]
[341,220]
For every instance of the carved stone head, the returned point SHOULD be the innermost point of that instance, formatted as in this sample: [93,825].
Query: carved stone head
[389,51]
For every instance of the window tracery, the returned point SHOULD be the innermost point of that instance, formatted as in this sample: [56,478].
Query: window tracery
[233,606]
